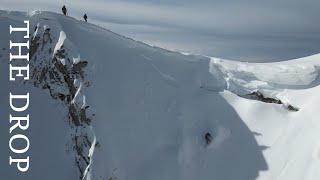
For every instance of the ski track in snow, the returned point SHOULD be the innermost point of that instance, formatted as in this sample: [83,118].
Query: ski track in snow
[165,76]
[222,135]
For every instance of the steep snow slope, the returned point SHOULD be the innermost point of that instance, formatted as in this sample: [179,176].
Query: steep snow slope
[291,139]
[292,148]
[151,108]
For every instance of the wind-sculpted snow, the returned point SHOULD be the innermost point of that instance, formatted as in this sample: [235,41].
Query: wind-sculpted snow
[250,76]
[150,109]
[271,80]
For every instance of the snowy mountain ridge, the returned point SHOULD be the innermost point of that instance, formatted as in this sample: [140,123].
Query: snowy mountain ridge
[149,109]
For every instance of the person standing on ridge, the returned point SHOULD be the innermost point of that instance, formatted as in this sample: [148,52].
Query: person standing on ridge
[208,137]
[85,17]
[64,10]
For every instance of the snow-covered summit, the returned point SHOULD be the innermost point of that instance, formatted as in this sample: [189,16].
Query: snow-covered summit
[145,110]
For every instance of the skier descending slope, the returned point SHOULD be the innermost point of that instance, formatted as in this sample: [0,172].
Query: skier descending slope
[64,10]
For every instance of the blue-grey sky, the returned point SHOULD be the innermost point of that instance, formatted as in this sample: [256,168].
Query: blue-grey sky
[247,30]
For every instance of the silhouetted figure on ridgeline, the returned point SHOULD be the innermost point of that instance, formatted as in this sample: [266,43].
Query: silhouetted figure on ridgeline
[64,10]
[208,138]
[85,17]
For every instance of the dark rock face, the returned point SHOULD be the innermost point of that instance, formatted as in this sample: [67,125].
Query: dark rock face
[256,95]
[49,73]
[292,108]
